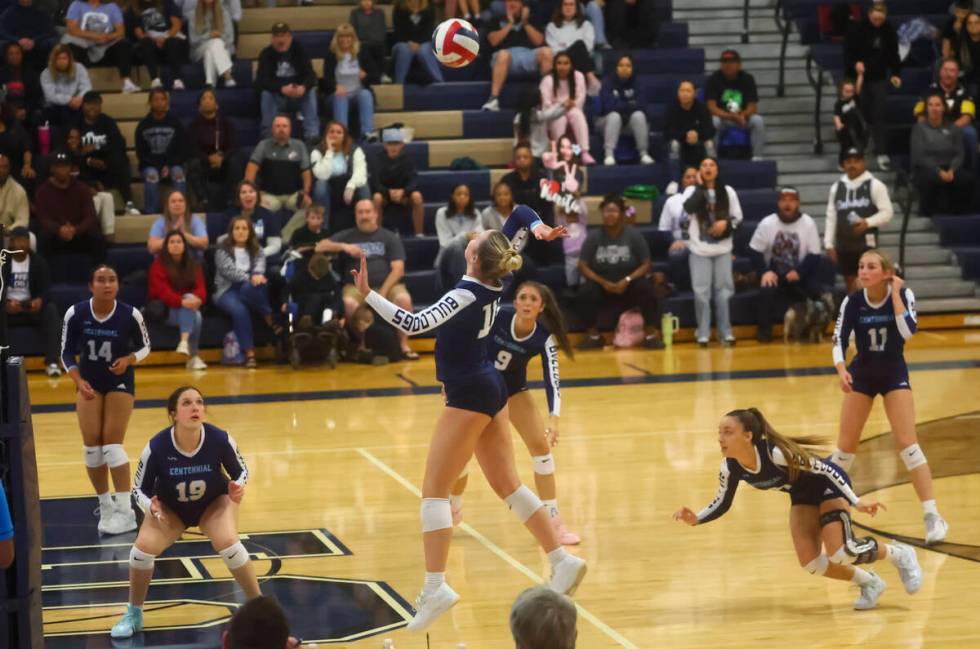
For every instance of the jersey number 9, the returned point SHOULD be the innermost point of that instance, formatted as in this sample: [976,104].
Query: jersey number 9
[503,360]
[188,492]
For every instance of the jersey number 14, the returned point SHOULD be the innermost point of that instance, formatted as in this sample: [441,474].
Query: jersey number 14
[105,351]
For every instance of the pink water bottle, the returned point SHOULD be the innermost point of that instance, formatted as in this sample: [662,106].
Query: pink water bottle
[44,138]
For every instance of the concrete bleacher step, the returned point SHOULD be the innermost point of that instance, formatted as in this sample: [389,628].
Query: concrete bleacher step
[728,12]
[258,20]
[921,254]
[948,305]
[751,52]
[701,5]
[911,238]
[944,288]
[732,39]
[918,272]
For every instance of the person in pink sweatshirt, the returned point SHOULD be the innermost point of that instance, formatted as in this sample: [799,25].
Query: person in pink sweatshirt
[566,85]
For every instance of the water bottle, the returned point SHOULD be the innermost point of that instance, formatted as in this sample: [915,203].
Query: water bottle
[259,229]
[44,139]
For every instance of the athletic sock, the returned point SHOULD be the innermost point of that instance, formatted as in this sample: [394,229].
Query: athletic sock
[861,577]
[929,507]
[556,556]
[432,582]
[121,499]
[552,506]
[456,502]
[105,502]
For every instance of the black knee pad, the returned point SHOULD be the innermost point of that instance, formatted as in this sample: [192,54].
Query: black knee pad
[862,549]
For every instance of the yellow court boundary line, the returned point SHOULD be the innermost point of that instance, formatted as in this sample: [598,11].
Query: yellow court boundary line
[497,550]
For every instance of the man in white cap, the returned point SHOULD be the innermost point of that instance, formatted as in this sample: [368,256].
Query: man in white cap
[393,179]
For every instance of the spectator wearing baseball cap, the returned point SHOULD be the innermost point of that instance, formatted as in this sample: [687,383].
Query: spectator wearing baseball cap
[733,101]
[785,250]
[285,80]
[104,149]
[394,178]
[66,214]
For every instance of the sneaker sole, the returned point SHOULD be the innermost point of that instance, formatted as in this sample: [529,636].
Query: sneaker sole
[578,580]
[940,539]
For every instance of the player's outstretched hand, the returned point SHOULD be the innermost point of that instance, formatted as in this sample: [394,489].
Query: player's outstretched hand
[547,233]
[236,492]
[85,389]
[157,509]
[846,381]
[361,278]
[870,507]
[686,515]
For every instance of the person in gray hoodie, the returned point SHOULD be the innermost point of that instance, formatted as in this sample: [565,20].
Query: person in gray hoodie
[64,83]
[937,162]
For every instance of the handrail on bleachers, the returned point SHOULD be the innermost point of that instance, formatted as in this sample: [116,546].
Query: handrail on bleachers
[745,22]
[817,85]
[785,26]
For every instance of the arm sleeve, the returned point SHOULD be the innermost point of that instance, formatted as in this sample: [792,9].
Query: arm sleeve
[443,231]
[842,332]
[522,217]
[723,499]
[917,152]
[144,479]
[258,264]
[547,91]
[426,320]
[51,90]
[811,239]
[69,340]
[144,334]
[160,287]
[578,92]
[224,265]
[832,475]
[272,246]
[84,84]
[879,194]
[956,142]
[551,37]
[359,174]
[830,222]
[734,207]
[588,35]
[234,463]
[760,238]
[549,364]
[907,322]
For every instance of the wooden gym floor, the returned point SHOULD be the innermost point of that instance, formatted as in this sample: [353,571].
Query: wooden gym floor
[336,459]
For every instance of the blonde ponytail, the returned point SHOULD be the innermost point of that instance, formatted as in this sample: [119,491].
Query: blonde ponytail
[497,257]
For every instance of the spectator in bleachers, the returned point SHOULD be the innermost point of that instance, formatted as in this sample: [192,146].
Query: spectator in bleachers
[689,128]
[525,182]
[105,204]
[531,121]
[675,220]
[97,36]
[372,30]
[16,144]
[967,53]
[156,27]
[27,300]
[394,179]
[501,205]
[871,49]
[213,151]
[15,209]
[785,251]
[305,239]
[212,41]
[64,83]
[248,200]
[632,23]
[161,149]
[713,214]
[733,101]
[340,174]
[31,28]
[519,50]
[937,159]
[19,83]
[961,109]
[348,73]
[849,123]
[456,223]
[619,106]
[280,165]
[177,216]
[414,21]
[557,88]
[316,289]
[240,285]
[615,264]
[543,619]
[570,32]
[953,29]
[177,280]
[105,149]
[385,262]
[66,216]
[858,204]
[286,81]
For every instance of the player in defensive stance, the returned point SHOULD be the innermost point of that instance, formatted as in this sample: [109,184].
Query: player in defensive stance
[475,418]
[534,327]
[821,497]
[180,484]
[882,318]
[102,339]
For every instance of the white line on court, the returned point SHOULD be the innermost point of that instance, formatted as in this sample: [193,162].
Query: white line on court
[497,550]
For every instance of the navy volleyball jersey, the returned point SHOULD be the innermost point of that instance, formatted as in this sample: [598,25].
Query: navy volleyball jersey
[879,334]
[519,225]
[188,482]
[772,474]
[98,343]
[511,355]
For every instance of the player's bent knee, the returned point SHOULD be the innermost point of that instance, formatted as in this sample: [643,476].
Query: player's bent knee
[436,514]
[524,503]
[544,464]
[841,558]
[115,455]
[94,457]
[913,457]
[854,550]
[818,566]
[139,560]
[234,556]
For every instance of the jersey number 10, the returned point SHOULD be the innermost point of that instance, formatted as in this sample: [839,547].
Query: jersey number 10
[874,335]
[188,492]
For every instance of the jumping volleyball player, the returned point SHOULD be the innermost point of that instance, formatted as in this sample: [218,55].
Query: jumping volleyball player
[180,484]
[882,317]
[821,497]
[475,418]
[101,331]
[534,327]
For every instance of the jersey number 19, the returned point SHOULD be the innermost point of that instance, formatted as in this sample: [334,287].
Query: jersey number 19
[188,492]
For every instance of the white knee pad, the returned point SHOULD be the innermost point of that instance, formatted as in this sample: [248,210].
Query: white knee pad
[842,459]
[234,556]
[94,457]
[841,557]
[139,560]
[819,565]
[913,456]
[114,455]
[524,503]
[544,464]
[436,514]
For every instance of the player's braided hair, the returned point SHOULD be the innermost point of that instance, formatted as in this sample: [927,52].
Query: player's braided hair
[800,451]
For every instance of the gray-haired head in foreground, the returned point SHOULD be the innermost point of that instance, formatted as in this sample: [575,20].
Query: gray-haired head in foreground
[543,619]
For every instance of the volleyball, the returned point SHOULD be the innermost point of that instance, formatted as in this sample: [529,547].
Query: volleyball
[456,43]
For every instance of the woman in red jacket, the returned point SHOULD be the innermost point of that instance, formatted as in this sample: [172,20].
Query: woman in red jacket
[177,280]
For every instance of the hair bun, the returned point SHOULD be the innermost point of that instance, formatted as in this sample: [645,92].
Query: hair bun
[511,261]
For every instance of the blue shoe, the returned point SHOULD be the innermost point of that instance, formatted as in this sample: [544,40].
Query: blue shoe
[131,622]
